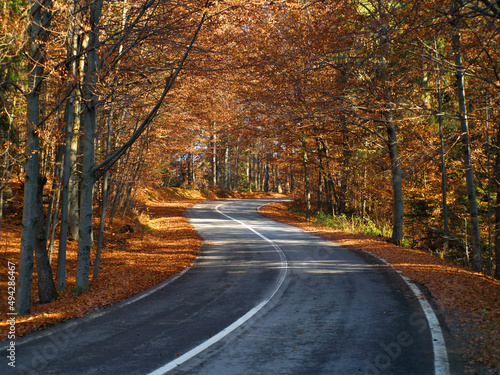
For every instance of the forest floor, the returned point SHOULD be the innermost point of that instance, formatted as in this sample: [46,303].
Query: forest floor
[158,242]
[469,301]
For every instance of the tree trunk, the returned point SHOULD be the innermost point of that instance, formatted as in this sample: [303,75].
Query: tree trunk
[227,168]
[52,212]
[53,191]
[214,159]
[446,231]
[74,120]
[249,172]
[88,160]
[477,263]
[307,187]
[497,204]
[320,175]
[279,186]
[63,235]
[55,219]
[397,184]
[266,176]
[328,179]
[388,119]
[46,287]
[104,205]
[255,172]
[70,147]
[344,178]
[31,181]
[39,19]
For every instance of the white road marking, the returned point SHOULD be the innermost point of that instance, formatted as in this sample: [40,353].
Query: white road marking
[96,314]
[441,361]
[219,336]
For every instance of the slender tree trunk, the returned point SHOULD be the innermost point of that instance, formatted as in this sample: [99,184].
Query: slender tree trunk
[236,177]
[446,231]
[227,167]
[488,153]
[279,185]
[397,184]
[320,175]
[46,287]
[255,172]
[88,160]
[37,24]
[364,198]
[214,159]
[392,141]
[70,147]
[74,120]
[55,219]
[329,184]
[344,179]
[266,176]
[52,212]
[1,207]
[53,191]
[104,205]
[307,187]
[65,206]
[477,263]
[249,172]
[497,203]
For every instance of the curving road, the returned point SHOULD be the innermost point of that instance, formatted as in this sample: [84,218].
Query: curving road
[262,298]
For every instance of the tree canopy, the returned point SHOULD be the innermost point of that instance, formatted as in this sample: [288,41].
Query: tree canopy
[381,110]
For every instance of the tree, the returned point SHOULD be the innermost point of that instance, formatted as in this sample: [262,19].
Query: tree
[469,172]
[37,31]
[91,171]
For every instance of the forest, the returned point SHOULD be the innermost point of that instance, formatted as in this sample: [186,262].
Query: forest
[383,113]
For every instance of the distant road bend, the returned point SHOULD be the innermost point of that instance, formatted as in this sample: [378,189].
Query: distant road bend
[262,298]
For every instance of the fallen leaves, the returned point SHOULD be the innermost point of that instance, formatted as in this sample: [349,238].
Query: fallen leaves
[137,254]
[132,261]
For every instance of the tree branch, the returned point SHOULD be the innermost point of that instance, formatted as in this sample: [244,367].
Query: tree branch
[106,164]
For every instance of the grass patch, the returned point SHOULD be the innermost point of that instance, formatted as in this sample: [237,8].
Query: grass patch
[353,224]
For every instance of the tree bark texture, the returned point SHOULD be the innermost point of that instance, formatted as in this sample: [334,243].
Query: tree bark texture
[477,263]
[88,159]
[397,184]
[46,287]
[37,27]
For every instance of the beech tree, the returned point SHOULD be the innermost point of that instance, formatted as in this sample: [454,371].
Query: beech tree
[86,72]
[376,109]
[33,224]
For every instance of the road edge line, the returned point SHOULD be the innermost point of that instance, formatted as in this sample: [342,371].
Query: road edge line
[441,361]
[59,327]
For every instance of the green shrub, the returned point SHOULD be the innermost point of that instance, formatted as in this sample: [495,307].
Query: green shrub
[354,224]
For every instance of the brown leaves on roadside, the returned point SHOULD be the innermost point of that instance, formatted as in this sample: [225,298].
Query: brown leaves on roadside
[162,244]
[137,254]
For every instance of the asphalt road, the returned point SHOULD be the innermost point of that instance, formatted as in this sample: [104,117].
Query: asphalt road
[262,298]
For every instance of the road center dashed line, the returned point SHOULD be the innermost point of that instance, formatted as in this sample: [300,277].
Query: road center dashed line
[219,336]
[441,361]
